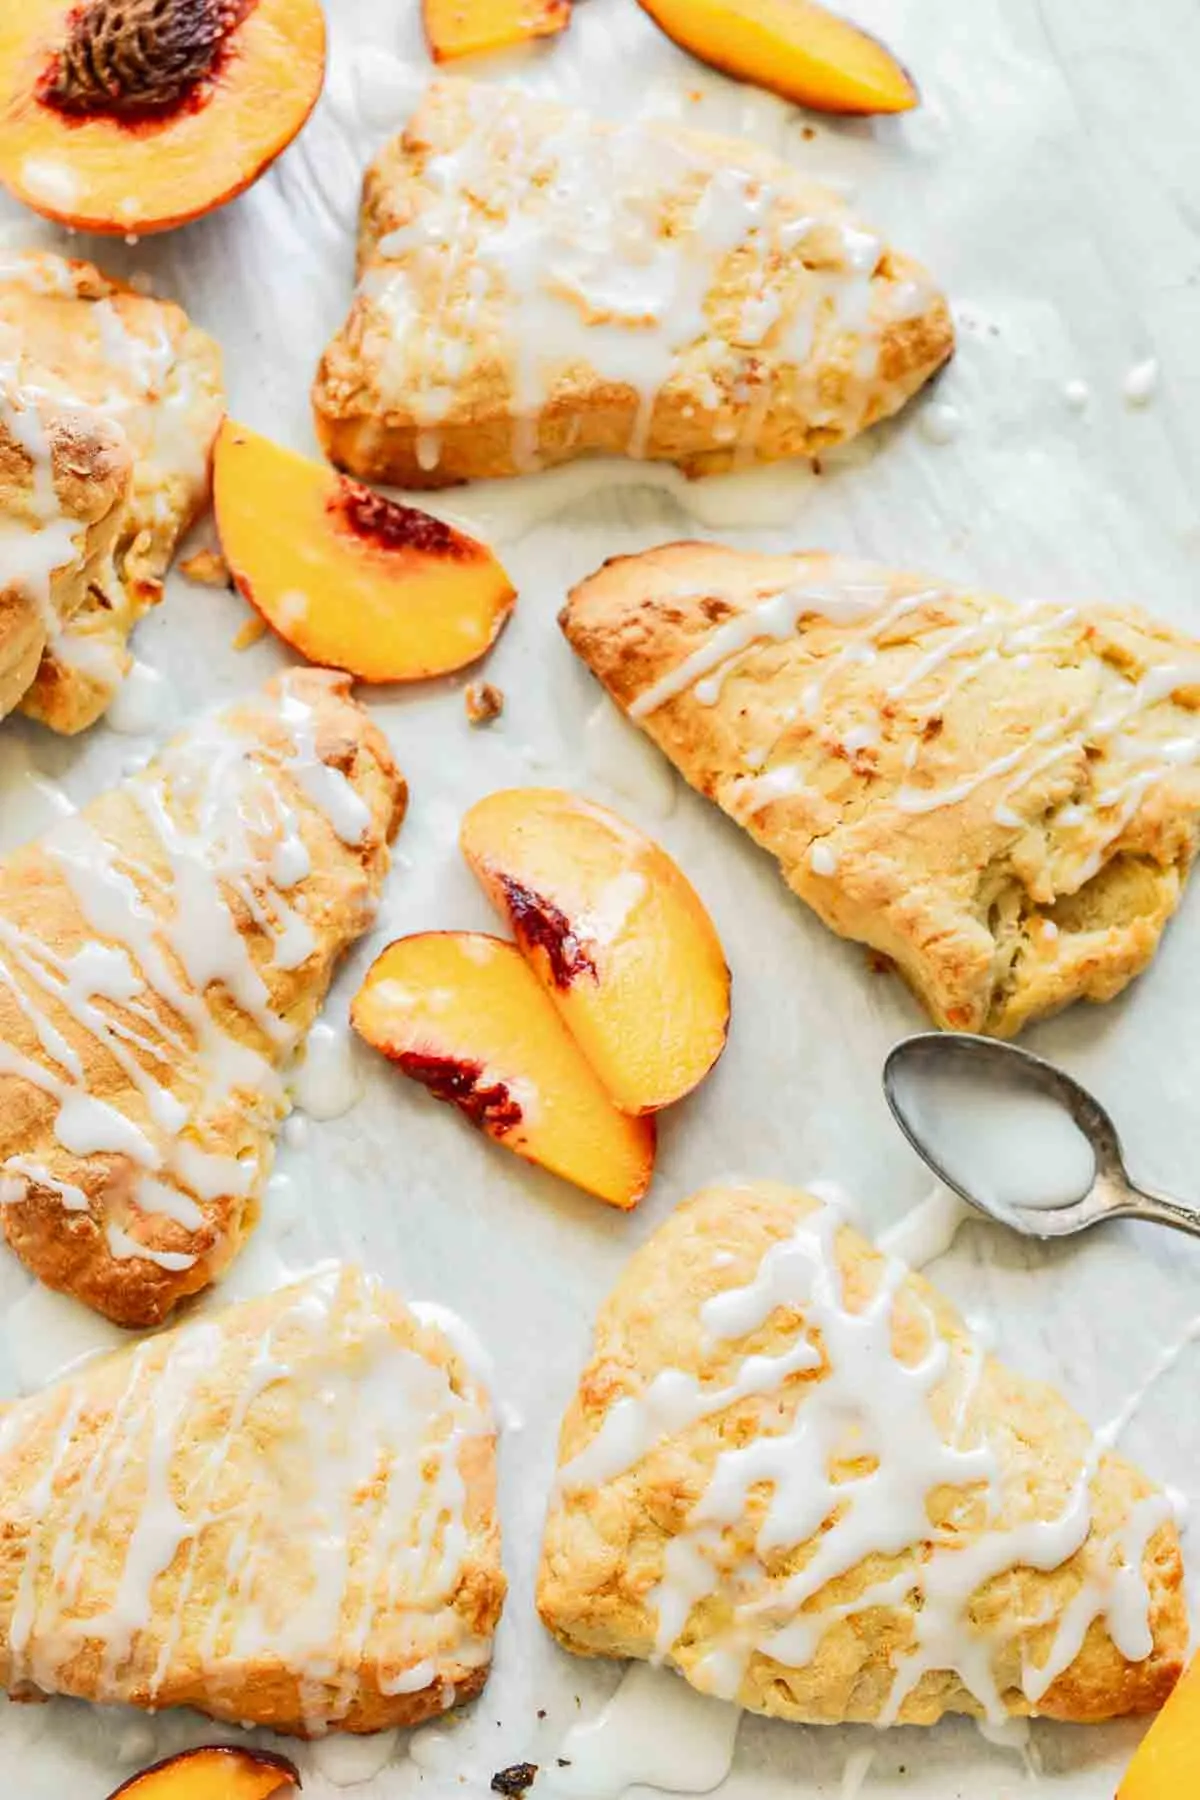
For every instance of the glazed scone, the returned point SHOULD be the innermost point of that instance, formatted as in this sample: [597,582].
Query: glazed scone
[282,1513]
[1003,797]
[139,363]
[162,953]
[791,1473]
[65,475]
[536,285]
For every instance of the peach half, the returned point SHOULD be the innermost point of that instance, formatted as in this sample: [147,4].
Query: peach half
[615,933]
[455,28]
[132,116]
[213,1772]
[792,47]
[350,579]
[463,1014]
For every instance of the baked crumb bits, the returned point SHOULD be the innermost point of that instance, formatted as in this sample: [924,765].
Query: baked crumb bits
[483,702]
[250,633]
[514,1781]
[208,567]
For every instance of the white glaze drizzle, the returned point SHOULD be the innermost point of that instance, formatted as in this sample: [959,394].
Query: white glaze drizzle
[223,820]
[358,1450]
[562,222]
[133,365]
[774,616]
[1000,630]
[34,549]
[870,1405]
[655,1731]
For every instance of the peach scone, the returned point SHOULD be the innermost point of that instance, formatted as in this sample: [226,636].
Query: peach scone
[792,1473]
[65,475]
[162,953]
[82,343]
[1002,797]
[282,1513]
[536,285]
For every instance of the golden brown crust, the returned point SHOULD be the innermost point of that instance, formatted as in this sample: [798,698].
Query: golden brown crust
[952,791]
[155,378]
[447,369]
[303,1575]
[41,905]
[606,1539]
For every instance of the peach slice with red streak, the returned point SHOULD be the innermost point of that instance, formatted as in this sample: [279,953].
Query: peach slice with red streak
[455,28]
[464,1014]
[214,1772]
[132,116]
[616,934]
[350,579]
[796,48]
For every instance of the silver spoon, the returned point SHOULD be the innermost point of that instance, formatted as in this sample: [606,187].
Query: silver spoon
[1112,1195]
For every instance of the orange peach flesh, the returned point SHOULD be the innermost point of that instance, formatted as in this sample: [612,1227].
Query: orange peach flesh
[616,933]
[214,1772]
[1166,1765]
[106,174]
[462,1013]
[351,580]
[455,28]
[792,47]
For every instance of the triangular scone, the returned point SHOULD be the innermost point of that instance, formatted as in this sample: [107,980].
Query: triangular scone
[161,954]
[282,1513]
[65,475]
[536,285]
[1003,797]
[792,1473]
[141,364]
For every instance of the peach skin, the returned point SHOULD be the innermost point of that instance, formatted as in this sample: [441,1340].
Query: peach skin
[463,1014]
[1166,1764]
[213,1772]
[455,28]
[351,580]
[792,47]
[135,115]
[615,933]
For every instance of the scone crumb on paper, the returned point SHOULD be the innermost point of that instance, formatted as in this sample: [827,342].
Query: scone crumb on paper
[208,567]
[514,1781]
[249,633]
[483,702]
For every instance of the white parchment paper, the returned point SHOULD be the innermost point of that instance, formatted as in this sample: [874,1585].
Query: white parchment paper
[1046,182]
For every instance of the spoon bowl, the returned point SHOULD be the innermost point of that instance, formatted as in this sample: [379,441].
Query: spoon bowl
[1111,1193]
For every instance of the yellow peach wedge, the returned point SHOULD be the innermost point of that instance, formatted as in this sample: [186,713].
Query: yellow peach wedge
[137,115]
[350,579]
[463,1014]
[213,1772]
[616,934]
[792,47]
[1166,1765]
[455,28]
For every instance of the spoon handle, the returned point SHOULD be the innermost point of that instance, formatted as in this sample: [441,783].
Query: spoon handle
[1160,1209]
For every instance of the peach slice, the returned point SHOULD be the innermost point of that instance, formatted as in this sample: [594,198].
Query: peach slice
[455,28]
[132,116]
[464,1014]
[214,1772]
[1166,1764]
[616,934]
[793,47]
[351,580]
